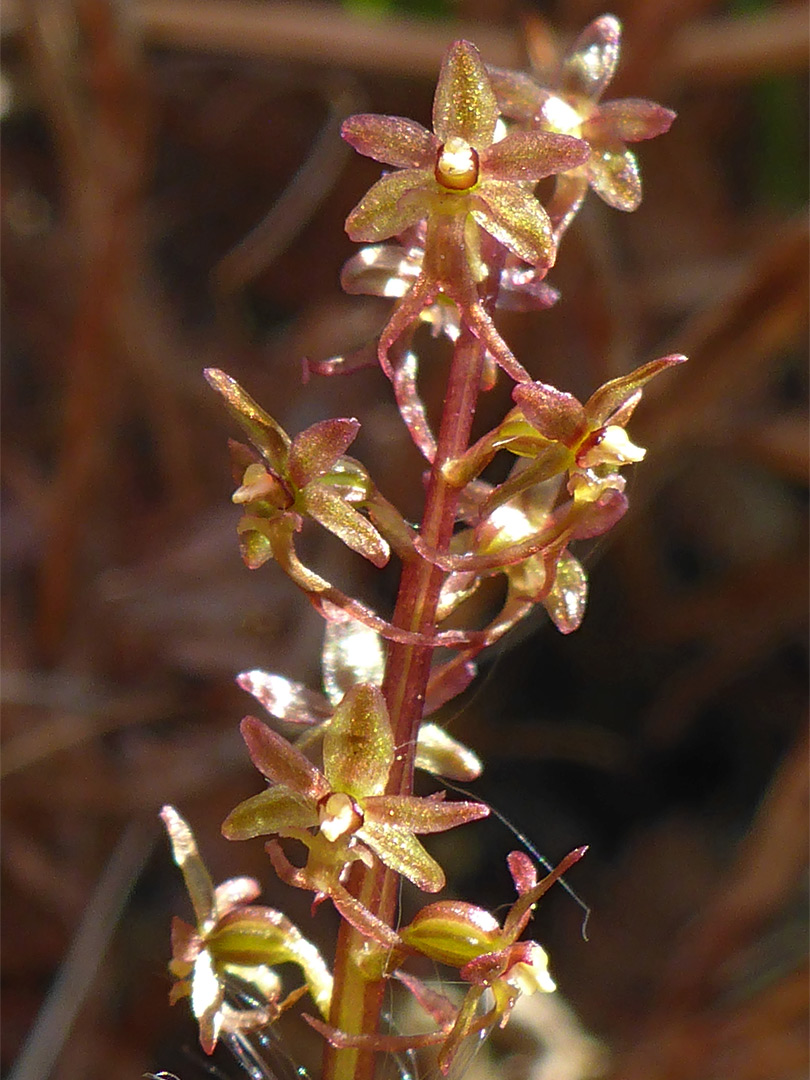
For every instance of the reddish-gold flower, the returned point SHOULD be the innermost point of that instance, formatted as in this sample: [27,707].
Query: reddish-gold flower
[457,178]
[572,107]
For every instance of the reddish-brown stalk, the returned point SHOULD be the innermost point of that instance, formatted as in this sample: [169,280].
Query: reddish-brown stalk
[356,1001]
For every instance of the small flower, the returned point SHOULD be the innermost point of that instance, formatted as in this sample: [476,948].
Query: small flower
[455,179]
[573,107]
[233,940]
[354,653]
[345,803]
[487,955]
[308,476]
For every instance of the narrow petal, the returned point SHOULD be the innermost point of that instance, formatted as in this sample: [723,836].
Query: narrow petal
[335,514]
[358,747]
[285,699]
[612,397]
[628,120]
[379,214]
[422,815]
[392,140]
[465,103]
[531,155]
[515,218]
[615,178]
[184,849]
[590,65]
[315,450]
[401,851]
[280,761]
[519,96]
[268,813]
[556,415]
[266,435]
[442,755]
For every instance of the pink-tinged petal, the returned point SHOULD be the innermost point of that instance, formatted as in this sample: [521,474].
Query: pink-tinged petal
[393,140]
[268,813]
[615,177]
[596,518]
[358,916]
[285,699]
[514,217]
[352,653]
[358,747]
[465,103]
[401,851]
[556,415]
[199,886]
[447,681]
[411,407]
[315,450]
[605,403]
[421,294]
[280,761]
[335,514]
[520,912]
[235,892]
[568,595]
[627,120]
[519,97]
[186,945]
[522,288]
[441,755]
[523,871]
[590,65]
[436,1005]
[421,815]
[380,215]
[266,435]
[531,155]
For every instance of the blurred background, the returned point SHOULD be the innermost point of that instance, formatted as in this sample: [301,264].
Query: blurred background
[173,196]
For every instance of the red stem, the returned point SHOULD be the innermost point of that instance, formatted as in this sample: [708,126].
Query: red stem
[357,1001]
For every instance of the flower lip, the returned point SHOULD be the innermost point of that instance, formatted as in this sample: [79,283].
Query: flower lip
[339,814]
[457,165]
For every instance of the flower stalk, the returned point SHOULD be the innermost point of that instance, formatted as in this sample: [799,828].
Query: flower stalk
[468,235]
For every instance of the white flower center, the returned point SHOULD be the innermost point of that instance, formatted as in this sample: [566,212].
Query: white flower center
[457,165]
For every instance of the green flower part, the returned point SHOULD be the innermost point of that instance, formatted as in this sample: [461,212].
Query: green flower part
[354,653]
[345,803]
[457,178]
[233,940]
[308,476]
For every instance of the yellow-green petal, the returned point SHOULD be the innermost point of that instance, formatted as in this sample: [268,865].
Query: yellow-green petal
[358,746]
[268,813]
[465,103]
[380,215]
[514,217]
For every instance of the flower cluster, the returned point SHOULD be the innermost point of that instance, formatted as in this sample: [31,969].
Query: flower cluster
[468,234]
